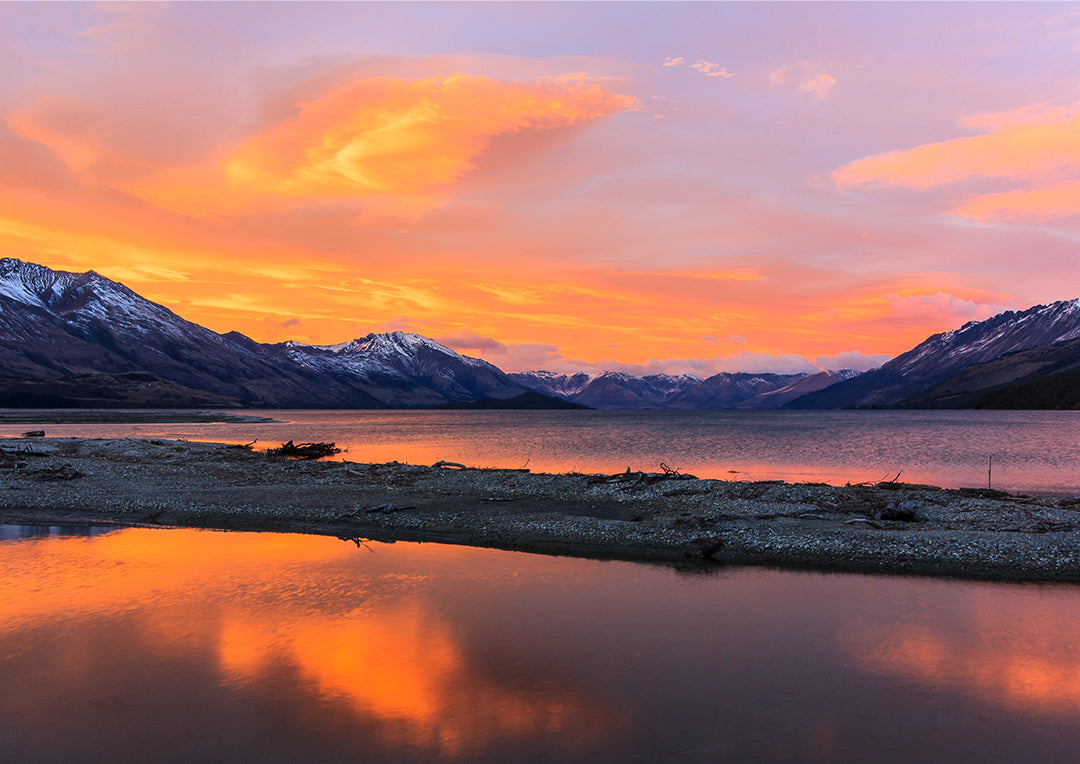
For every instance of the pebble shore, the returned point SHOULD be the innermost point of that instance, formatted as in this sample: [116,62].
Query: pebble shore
[884,527]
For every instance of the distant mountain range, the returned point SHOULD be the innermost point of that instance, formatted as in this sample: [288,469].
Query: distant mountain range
[82,340]
[618,390]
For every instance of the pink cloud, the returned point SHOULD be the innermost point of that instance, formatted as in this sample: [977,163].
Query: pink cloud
[852,360]
[942,308]
[820,85]
[466,341]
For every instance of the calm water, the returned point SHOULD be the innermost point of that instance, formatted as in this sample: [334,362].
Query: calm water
[184,645]
[1035,452]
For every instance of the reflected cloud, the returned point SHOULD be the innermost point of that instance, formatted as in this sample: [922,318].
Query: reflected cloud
[1033,665]
[392,660]
[402,665]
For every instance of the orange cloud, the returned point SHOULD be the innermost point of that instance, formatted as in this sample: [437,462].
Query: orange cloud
[71,129]
[711,69]
[385,137]
[1034,145]
[1053,201]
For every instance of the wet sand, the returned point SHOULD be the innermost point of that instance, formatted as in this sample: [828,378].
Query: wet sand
[885,527]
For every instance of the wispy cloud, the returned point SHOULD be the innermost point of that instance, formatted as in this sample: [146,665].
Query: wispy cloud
[710,69]
[464,341]
[379,138]
[820,85]
[1036,148]
[946,309]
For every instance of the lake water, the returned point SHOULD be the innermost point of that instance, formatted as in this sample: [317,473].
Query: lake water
[187,645]
[1031,451]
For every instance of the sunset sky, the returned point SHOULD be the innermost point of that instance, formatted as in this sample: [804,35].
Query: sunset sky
[693,187]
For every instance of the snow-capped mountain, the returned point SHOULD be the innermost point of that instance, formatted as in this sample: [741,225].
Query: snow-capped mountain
[74,332]
[618,390]
[609,389]
[942,355]
[1043,377]
[56,325]
[404,369]
[552,383]
[805,383]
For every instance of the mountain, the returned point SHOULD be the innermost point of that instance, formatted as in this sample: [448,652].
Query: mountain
[609,389]
[618,390]
[1057,392]
[552,383]
[82,340]
[58,327]
[134,389]
[1044,377]
[943,355]
[404,370]
[807,383]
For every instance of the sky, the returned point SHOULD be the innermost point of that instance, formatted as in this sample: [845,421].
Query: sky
[647,187]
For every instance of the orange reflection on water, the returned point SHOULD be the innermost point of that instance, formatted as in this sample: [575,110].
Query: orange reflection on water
[1025,659]
[404,667]
[354,629]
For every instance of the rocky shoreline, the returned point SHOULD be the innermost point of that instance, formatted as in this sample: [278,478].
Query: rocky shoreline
[884,527]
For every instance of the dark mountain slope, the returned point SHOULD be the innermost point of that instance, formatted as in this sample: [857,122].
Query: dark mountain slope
[942,355]
[1035,378]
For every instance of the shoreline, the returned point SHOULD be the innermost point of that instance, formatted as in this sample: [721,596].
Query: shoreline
[882,528]
[127,416]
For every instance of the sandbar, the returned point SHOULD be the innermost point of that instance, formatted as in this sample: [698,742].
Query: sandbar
[893,528]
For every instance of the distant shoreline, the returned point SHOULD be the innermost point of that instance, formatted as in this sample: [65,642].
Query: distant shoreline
[883,528]
[126,416]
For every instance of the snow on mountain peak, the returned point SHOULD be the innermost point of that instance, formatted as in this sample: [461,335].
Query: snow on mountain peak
[85,298]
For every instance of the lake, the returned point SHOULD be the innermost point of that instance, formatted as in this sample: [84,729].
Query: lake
[188,645]
[1031,451]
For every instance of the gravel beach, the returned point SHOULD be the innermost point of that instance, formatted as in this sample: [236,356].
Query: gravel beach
[884,527]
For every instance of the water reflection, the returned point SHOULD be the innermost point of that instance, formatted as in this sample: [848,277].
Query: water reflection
[356,640]
[1016,647]
[193,645]
[15,532]
[408,671]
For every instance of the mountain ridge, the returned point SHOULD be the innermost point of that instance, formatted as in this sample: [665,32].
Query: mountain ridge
[942,355]
[57,325]
[82,332]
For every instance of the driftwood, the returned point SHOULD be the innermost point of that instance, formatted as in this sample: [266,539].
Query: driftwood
[34,434]
[246,446]
[453,465]
[20,451]
[636,481]
[292,450]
